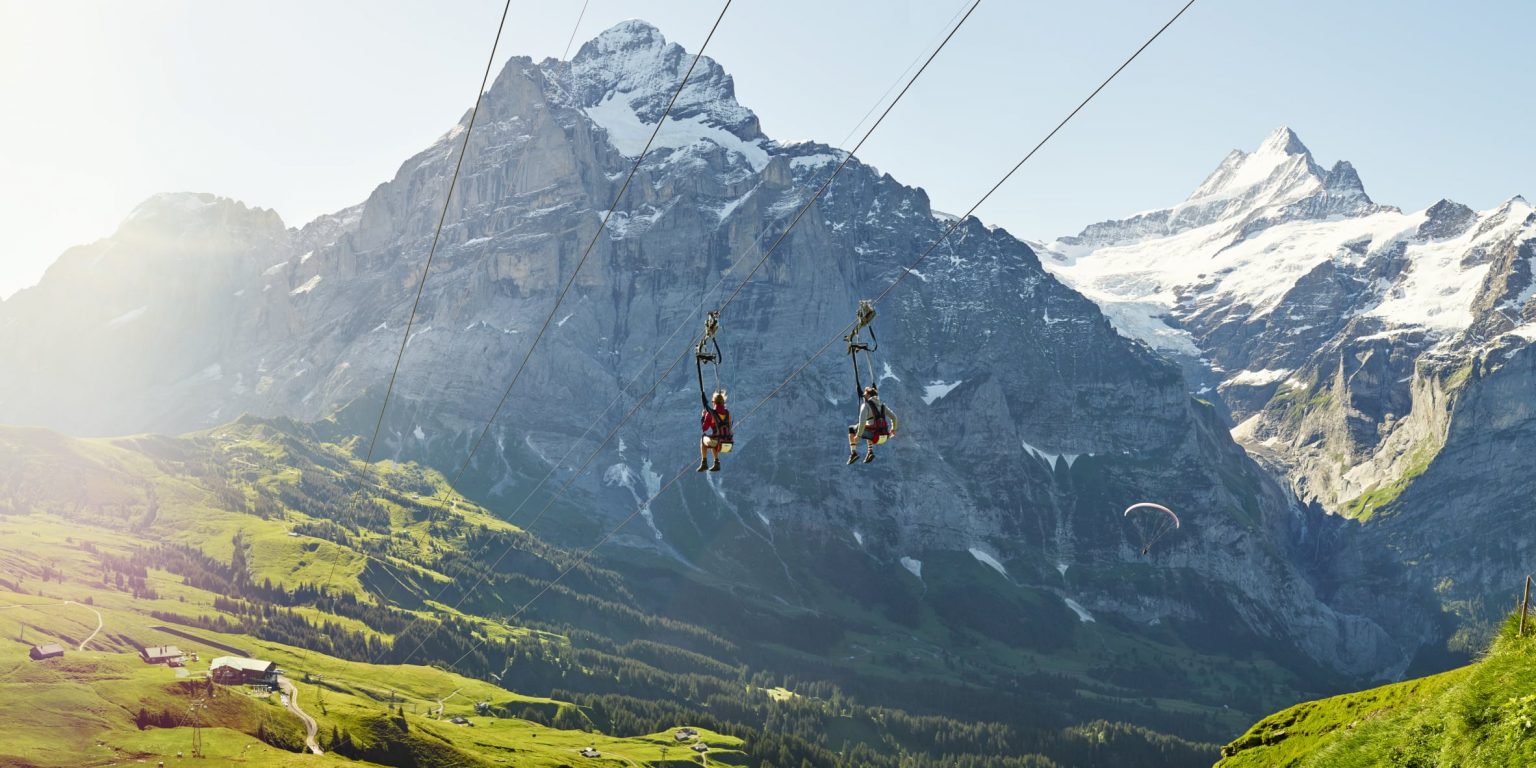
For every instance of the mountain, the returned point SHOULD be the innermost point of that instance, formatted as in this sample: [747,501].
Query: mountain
[1378,359]
[986,545]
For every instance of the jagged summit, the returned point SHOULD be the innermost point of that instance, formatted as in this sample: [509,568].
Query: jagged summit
[1281,166]
[629,33]
[627,74]
[1343,177]
[1283,141]
[190,214]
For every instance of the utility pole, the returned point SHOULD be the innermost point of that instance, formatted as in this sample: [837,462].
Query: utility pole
[197,726]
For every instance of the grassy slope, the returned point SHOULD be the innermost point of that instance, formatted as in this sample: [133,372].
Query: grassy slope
[80,709]
[1482,714]
[84,705]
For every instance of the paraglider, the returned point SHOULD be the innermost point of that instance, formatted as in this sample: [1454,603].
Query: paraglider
[1151,522]
[715,421]
[877,423]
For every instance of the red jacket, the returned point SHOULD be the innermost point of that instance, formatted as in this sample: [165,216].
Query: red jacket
[716,422]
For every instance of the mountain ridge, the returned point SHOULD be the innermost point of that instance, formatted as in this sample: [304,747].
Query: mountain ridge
[1081,422]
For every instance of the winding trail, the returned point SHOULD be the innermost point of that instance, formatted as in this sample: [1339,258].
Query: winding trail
[99,622]
[310,726]
[442,703]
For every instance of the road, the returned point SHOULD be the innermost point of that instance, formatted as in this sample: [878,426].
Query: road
[310,727]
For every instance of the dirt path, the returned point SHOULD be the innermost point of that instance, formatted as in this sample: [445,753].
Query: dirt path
[442,703]
[99,623]
[310,727]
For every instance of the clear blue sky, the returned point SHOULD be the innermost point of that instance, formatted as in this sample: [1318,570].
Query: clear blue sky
[306,106]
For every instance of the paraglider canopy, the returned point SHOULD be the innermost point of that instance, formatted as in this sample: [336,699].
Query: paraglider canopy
[1151,522]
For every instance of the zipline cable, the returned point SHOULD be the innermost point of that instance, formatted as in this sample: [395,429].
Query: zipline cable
[587,554]
[649,364]
[426,269]
[571,281]
[961,219]
[668,372]
[848,157]
[625,391]
[567,54]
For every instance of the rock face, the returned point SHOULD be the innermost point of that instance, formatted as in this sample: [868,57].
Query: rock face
[1375,357]
[1028,421]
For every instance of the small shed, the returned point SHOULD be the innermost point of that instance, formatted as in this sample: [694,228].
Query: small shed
[161,654]
[238,670]
[48,651]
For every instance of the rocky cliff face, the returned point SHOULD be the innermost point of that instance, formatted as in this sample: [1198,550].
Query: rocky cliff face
[1028,421]
[1371,355]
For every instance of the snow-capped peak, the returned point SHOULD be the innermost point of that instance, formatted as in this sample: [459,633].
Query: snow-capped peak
[1270,230]
[629,33]
[1283,141]
[1280,165]
[625,78]
[634,62]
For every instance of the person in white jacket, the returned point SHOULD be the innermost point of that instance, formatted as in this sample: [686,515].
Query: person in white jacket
[876,425]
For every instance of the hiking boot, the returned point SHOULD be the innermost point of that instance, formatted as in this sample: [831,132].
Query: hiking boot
[703,465]
[868,457]
[716,467]
[853,456]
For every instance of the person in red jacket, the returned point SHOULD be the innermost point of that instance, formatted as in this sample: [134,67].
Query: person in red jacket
[716,423]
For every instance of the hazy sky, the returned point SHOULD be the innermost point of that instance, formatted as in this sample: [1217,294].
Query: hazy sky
[305,106]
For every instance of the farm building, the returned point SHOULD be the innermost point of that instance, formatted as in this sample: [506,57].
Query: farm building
[49,651]
[237,670]
[162,654]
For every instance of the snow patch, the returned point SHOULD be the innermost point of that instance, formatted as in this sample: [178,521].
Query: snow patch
[887,373]
[1082,613]
[1259,378]
[859,537]
[628,133]
[937,390]
[274,269]
[420,435]
[914,566]
[988,560]
[309,285]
